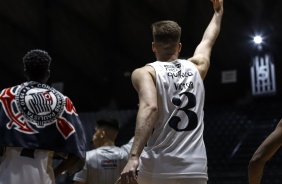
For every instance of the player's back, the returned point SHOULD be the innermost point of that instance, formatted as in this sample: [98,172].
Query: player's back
[105,164]
[176,147]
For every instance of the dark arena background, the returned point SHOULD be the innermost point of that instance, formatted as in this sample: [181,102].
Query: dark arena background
[95,46]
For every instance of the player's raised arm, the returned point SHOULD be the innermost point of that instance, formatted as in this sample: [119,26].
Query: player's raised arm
[201,57]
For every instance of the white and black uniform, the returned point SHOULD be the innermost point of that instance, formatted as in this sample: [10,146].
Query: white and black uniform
[176,148]
[104,164]
[20,169]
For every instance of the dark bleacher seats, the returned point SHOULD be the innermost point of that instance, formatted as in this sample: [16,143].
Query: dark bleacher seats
[232,134]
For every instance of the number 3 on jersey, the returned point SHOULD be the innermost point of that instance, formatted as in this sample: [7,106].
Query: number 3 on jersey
[192,116]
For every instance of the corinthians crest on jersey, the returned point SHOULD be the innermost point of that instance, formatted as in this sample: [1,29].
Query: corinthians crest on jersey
[36,116]
[39,103]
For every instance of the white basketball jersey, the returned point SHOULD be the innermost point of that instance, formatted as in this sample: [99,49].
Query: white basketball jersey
[104,165]
[15,168]
[176,148]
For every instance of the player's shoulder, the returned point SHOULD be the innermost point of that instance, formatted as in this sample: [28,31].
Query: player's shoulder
[198,60]
[91,152]
[10,88]
[142,71]
[201,63]
[145,68]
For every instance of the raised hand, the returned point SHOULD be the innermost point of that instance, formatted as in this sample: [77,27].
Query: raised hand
[218,6]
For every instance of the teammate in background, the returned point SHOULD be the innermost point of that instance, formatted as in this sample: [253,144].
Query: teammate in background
[264,152]
[105,163]
[170,116]
[38,123]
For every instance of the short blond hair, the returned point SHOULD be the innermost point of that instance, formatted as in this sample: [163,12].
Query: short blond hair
[166,31]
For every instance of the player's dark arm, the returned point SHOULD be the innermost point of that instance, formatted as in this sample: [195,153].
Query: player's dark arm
[68,164]
[264,152]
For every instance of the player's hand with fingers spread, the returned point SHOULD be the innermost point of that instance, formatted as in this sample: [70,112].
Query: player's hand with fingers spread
[128,175]
[218,6]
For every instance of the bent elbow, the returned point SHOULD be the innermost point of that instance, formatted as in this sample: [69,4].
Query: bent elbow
[256,161]
[153,108]
[149,107]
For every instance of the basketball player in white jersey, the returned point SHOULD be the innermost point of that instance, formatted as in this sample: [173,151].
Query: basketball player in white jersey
[170,117]
[105,163]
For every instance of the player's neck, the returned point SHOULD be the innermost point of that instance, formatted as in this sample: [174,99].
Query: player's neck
[167,58]
[109,143]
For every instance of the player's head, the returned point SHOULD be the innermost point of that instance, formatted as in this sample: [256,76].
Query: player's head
[106,131]
[37,65]
[166,31]
[166,36]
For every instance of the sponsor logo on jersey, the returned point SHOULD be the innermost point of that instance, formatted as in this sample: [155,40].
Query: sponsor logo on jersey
[109,164]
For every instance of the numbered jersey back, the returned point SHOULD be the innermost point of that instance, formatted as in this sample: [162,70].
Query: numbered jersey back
[176,143]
